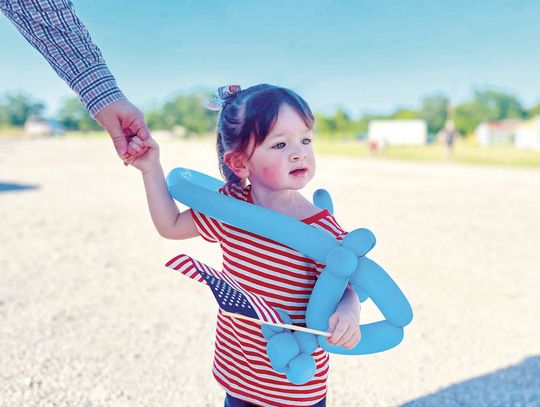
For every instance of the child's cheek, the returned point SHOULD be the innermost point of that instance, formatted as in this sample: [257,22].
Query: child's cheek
[269,173]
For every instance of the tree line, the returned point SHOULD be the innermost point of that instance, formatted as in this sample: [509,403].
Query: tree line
[188,111]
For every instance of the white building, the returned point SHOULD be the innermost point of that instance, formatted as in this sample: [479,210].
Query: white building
[397,132]
[497,132]
[528,134]
[38,126]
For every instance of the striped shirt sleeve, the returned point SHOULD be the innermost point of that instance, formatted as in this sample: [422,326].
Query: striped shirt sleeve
[209,228]
[52,27]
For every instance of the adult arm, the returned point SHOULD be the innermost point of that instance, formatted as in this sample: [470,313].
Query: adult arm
[52,27]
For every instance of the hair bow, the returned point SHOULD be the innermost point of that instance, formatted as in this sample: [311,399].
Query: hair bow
[221,96]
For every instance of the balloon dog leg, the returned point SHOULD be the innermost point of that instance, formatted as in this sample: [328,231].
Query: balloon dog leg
[330,286]
[382,335]
[290,352]
[383,291]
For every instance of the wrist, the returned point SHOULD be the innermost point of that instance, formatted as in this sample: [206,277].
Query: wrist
[153,169]
[96,88]
[348,312]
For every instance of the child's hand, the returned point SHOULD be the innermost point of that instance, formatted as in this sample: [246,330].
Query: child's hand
[345,330]
[148,151]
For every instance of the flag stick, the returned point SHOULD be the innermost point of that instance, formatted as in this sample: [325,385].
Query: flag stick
[288,326]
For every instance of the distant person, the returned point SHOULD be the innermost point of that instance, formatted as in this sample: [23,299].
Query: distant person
[52,27]
[448,137]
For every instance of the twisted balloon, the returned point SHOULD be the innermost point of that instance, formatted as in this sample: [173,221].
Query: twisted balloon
[346,263]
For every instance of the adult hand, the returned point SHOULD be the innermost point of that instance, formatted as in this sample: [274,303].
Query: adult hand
[122,120]
[149,160]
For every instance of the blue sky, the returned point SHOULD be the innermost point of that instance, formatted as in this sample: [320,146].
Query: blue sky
[366,56]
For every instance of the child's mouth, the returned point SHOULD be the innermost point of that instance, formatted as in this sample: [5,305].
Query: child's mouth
[298,172]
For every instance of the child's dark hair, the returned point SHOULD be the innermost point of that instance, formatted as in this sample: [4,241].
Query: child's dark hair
[253,113]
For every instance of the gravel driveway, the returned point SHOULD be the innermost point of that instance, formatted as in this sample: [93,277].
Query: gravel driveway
[89,316]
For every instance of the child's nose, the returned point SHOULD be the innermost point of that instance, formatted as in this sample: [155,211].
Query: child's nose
[298,155]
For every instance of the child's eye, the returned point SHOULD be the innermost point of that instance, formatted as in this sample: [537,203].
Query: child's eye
[306,141]
[279,146]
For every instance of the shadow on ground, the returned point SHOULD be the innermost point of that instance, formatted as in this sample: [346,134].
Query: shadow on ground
[517,385]
[14,187]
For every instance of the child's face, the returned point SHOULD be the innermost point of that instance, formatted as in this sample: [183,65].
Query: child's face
[285,159]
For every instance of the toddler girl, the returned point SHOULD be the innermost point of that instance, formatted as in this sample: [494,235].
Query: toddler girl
[264,135]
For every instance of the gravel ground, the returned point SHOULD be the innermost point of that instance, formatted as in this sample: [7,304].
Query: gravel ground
[90,317]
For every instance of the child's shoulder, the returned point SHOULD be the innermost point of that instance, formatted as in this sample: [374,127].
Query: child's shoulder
[235,190]
[307,210]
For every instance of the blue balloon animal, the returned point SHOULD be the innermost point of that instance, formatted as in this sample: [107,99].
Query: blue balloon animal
[346,263]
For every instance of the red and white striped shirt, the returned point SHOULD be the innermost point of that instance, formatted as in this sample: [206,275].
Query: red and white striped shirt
[284,278]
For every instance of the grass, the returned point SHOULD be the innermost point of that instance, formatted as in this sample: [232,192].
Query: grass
[86,134]
[11,133]
[19,134]
[464,152]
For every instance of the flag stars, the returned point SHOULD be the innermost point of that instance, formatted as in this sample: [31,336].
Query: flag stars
[229,298]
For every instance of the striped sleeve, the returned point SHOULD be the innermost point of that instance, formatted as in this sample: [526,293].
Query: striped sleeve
[209,228]
[52,27]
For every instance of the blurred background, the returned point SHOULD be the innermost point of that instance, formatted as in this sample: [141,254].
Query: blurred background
[424,110]
[417,79]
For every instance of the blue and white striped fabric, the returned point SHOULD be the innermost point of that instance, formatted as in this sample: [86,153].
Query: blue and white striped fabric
[52,27]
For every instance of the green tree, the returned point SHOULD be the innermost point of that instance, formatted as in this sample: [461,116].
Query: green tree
[466,117]
[404,114]
[3,115]
[342,121]
[494,105]
[487,105]
[359,127]
[154,119]
[324,125]
[337,125]
[189,111]
[16,107]
[73,116]
[434,110]
[534,111]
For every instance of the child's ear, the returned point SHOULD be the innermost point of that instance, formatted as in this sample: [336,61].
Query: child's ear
[236,162]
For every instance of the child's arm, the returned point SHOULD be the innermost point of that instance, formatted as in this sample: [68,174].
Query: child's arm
[344,322]
[168,220]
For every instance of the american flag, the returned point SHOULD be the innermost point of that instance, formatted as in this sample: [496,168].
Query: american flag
[230,296]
